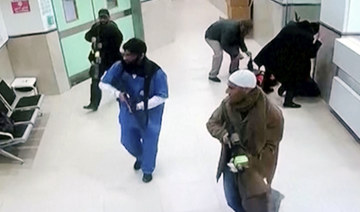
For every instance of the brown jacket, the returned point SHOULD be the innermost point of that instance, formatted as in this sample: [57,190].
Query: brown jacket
[262,153]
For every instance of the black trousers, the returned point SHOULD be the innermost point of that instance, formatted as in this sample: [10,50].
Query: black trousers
[95,91]
[290,88]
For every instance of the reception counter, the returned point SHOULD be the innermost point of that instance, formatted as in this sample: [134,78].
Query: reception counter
[345,92]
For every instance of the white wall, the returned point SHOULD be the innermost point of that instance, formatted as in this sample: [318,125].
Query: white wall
[343,15]
[353,24]
[220,4]
[23,23]
[333,13]
[6,71]
[159,27]
[3,32]
[302,1]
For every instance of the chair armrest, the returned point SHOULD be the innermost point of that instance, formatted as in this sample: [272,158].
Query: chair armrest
[6,135]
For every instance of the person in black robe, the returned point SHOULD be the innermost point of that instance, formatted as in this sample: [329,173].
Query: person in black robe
[287,57]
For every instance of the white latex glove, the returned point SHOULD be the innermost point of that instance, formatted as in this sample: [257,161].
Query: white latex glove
[232,167]
[140,106]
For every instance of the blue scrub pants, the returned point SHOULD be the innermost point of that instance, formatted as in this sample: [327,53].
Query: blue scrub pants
[141,143]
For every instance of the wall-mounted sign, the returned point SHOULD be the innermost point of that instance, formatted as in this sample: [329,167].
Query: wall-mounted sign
[20,6]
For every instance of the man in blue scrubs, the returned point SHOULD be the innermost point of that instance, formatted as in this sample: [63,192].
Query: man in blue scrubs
[141,89]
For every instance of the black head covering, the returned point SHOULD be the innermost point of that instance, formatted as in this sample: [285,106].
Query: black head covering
[103,12]
[312,27]
[136,46]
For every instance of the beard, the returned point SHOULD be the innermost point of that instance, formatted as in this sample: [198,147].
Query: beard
[134,67]
[131,66]
[237,99]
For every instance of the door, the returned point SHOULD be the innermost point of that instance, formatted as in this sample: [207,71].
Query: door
[75,17]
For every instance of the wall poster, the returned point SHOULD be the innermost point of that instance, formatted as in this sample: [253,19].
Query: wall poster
[20,6]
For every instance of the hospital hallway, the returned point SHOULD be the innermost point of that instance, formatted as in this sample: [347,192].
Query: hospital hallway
[79,164]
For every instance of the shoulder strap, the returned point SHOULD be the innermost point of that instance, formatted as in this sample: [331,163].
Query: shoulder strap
[150,69]
[238,148]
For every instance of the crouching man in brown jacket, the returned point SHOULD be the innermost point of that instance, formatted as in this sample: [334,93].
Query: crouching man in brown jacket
[249,128]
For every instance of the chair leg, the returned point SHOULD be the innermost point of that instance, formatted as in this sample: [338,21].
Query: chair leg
[35,90]
[9,155]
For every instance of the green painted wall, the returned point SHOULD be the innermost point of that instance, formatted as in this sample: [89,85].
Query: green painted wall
[75,48]
[84,11]
[122,5]
[125,25]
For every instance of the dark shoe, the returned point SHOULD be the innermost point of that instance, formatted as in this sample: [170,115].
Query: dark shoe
[214,79]
[90,107]
[291,105]
[281,90]
[137,165]
[147,178]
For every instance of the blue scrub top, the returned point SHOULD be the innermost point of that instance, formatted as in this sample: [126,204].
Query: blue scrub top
[134,86]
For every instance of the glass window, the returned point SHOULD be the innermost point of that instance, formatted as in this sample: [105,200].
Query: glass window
[70,10]
[111,4]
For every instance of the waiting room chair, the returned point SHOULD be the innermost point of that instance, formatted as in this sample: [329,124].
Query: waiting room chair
[19,103]
[20,135]
[20,116]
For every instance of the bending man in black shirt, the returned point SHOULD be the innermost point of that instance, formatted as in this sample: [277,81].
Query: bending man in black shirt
[227,35]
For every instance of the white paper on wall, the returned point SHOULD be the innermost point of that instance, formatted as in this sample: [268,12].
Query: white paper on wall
[47,14]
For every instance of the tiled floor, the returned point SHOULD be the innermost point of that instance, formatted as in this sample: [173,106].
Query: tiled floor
[79,164]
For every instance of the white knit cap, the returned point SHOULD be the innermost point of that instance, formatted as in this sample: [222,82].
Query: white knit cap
[243,78]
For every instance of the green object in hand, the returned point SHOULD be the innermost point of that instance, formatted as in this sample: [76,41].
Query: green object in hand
[241,161]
